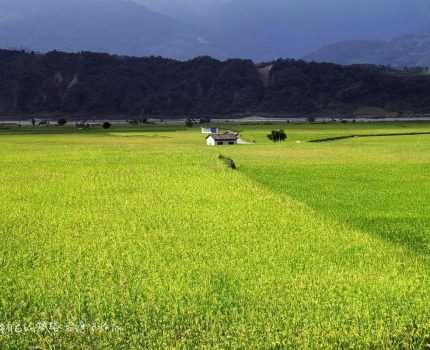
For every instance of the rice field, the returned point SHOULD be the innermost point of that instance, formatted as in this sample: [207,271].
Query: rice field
[143,238]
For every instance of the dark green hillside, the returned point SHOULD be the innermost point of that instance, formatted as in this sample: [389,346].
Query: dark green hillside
[92,83]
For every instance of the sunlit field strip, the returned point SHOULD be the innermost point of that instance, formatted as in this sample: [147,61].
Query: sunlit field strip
[155,236]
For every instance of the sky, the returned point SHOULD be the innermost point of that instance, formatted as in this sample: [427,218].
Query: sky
[180,7]
[258,29]
[313,21]
[330,8]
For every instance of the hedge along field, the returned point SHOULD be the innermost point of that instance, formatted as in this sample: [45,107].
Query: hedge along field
[147,233]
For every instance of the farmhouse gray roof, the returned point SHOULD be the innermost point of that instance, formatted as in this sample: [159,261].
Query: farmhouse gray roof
[224,137]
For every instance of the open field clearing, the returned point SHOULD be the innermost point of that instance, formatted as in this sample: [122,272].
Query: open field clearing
[142,238]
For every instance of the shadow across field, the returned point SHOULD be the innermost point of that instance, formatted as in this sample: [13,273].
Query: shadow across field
[344,137]
[34,132]
[406,231]
[121,132]
[131,135]
[400,218]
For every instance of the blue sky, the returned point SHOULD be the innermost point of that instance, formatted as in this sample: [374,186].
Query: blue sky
[298,6]
[370,19]
[260,29]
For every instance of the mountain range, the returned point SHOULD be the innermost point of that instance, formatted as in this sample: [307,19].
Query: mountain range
[114,26]
[405,51]
[182,29]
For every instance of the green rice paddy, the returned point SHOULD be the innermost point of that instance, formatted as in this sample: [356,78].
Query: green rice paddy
[142,238]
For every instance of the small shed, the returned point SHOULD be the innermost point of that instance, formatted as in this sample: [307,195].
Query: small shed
[222,139]
[210,131]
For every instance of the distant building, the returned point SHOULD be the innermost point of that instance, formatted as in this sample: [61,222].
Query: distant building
[222,139]
[210,131]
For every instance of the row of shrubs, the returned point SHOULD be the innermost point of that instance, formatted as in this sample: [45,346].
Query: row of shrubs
[63,122]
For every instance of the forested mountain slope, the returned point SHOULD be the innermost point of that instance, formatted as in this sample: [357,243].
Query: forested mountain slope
[104,84]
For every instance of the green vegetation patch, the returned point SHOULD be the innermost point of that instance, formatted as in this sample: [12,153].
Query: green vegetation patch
[149,244]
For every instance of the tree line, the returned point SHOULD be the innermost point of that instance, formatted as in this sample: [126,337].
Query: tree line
[96,83]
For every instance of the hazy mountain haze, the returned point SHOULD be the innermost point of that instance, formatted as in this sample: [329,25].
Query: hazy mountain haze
[261,30]
[405,51]
[114,26]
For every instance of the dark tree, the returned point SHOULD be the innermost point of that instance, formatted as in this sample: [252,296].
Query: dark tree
[189,123]
[205,120]
[62,122]
[106,125]
[277,136]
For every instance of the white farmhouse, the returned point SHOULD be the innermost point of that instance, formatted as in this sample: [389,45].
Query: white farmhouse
[223,139]
[210,130]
